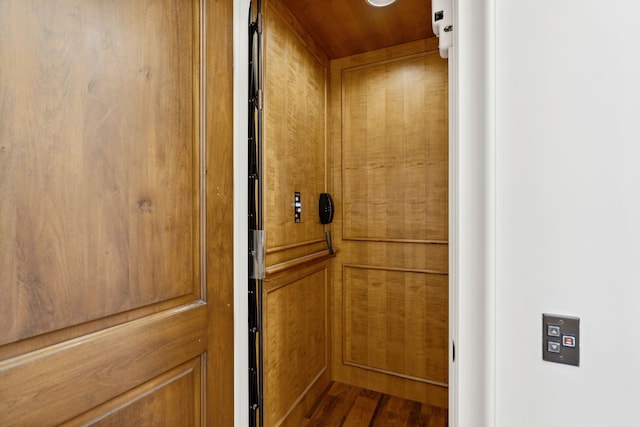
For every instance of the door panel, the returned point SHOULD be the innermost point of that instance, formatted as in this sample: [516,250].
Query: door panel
[103,129]
[102,160]
[390,155]
[394,159]
[295,339]
[50,384]
[171,399]
[395,321]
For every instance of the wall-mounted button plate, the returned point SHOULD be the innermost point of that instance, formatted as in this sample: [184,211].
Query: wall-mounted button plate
[297,207]
[561,339]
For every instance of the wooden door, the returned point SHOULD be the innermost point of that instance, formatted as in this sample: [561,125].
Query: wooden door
[115,268]
[390,289]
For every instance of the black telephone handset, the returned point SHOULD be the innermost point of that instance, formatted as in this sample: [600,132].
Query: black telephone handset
[325,208]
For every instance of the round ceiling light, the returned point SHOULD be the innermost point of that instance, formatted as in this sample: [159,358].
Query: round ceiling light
[380,3]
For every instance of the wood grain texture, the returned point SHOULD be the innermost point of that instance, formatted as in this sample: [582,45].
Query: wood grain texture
[396,322]
[219,212]
[334,405]
[349,27]
[296,416]
[349,406]
[296,342]
[294,25]
[296,328]
[410,256]
[294,133]
[274,271]
[98,166]
[172,399]
[413,246]
[73,377]
[102,166]
[394,150]
[287,253]
[362,411]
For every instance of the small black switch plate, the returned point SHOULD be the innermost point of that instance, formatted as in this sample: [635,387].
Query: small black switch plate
[297,207]
[561,339]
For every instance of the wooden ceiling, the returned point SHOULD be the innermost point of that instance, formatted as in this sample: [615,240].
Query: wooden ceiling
[347,27]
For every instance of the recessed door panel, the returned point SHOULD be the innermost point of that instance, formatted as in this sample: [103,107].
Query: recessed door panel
[103,135]
[99,160]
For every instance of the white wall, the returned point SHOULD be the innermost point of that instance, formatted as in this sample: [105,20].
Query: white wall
[241,210]
[472,294]
[567,177]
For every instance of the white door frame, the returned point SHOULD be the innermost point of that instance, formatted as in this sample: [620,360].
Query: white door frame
[471,214]
[241,212]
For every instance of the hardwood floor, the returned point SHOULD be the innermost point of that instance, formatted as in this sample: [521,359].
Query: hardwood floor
[348,406]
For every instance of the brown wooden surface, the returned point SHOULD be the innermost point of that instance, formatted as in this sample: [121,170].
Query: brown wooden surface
[90,228]
[274,271]
[294,135]
[396,321]
[295,298]
[219,213]
[388,137]
[49,386]
[147,404]
[296,341]
[348,27]
[287,253]
[106,309]
[394,150]
[350,406]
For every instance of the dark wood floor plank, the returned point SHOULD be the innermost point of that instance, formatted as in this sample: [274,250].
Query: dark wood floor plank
[382,403]
[432,416]
[342,405]
[340,399]
[324,411]
[361,412]
[395,413]
[414,415]
[314,407]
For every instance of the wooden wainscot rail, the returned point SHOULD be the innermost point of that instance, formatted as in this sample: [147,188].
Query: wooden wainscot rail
[276,270]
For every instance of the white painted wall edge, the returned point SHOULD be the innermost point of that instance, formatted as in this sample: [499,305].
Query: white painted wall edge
[453,237]
[472,215]
[240,209]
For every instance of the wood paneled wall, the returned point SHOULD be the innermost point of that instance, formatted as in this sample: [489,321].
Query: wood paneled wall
[394,151]
[393,322]
[294,136]
[389,156]
[295,294]
[115,257]
[296,348]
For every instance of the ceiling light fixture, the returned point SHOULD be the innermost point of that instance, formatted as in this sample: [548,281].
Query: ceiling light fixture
[380,3]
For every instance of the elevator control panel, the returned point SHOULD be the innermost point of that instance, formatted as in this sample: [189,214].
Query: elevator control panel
[561,339]
[297,206]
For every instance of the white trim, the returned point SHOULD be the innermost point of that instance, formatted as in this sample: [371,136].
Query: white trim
[240,209]
[453,236]
[472,215]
